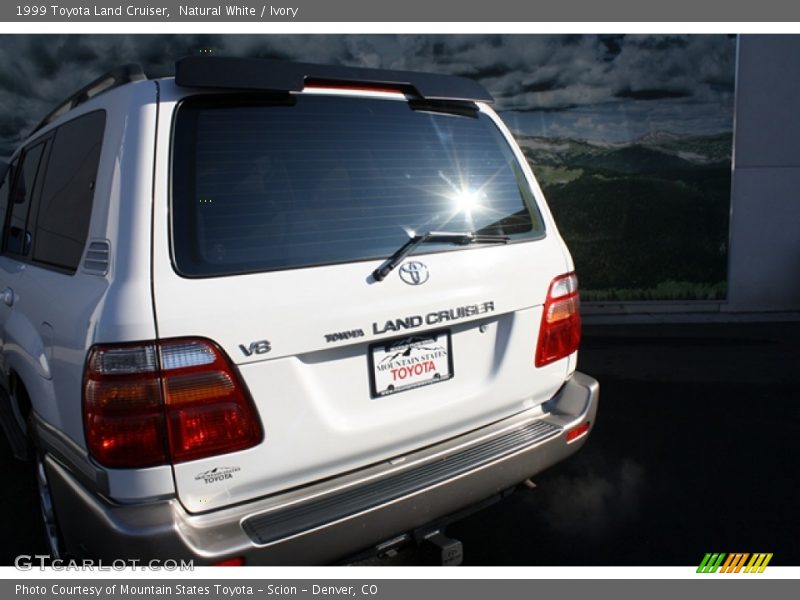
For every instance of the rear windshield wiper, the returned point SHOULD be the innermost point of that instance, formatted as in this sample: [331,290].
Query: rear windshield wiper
[452,237]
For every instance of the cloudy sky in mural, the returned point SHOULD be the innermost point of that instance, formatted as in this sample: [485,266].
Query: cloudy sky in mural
[601,88]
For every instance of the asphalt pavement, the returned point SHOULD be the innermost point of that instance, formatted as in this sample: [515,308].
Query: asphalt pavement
[696,449]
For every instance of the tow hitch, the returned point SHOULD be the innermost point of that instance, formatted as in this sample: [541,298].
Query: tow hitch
[438,549]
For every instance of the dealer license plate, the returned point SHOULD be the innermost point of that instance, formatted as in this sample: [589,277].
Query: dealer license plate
[410,362]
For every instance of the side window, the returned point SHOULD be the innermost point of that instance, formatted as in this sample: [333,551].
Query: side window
[18,236]
[5,193]
[65,207]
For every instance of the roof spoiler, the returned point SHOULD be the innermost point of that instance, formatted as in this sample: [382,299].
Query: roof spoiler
[221,72]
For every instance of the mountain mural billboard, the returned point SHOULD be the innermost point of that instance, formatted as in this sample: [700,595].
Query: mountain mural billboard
[629,135]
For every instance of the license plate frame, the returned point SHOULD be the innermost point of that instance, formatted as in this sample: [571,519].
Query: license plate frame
[410,362]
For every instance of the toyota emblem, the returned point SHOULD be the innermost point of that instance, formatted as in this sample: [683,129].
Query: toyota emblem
[414,273]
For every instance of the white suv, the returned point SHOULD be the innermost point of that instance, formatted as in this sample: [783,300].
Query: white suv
[268,312]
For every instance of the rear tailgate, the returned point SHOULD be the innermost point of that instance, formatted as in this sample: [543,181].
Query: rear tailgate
[346,371]
[316,399]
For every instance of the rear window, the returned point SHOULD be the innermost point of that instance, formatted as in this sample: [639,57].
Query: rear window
[313,180]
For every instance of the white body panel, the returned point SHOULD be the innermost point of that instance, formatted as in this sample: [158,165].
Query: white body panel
[56,317]
[118,306]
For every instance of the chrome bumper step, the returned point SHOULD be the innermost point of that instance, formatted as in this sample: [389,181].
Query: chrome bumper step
[282,523]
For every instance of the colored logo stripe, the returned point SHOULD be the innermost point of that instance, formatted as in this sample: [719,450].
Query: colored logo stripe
[759,561]
[733,563]
[711,563]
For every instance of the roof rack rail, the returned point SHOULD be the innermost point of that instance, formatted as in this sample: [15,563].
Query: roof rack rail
[284,76]
[114,78]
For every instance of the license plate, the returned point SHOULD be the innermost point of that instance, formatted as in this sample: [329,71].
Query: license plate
[410,362]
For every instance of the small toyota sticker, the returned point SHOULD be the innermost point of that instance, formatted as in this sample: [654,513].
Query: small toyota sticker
[217,474]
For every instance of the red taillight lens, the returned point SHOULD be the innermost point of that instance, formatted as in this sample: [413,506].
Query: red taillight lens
[180,399]
[122,408]
[209,411]
[560,332]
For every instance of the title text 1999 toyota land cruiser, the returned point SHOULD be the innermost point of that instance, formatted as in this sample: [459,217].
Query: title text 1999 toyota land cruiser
[270,312]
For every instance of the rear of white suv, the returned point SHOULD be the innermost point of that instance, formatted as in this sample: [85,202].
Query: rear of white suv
[363,319]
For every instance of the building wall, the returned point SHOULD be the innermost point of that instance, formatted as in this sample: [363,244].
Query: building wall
[764,267]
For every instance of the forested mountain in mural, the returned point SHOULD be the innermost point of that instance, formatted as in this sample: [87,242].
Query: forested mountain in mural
[644,220]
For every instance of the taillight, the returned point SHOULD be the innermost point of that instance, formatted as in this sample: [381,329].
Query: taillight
[122,408]
[148,403]
[560,332]
[208,408]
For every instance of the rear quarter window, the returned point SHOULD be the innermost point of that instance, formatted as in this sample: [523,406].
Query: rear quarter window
[65,206]
[309,180]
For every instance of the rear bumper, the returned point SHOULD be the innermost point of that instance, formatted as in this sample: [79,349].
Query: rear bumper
[326,521]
